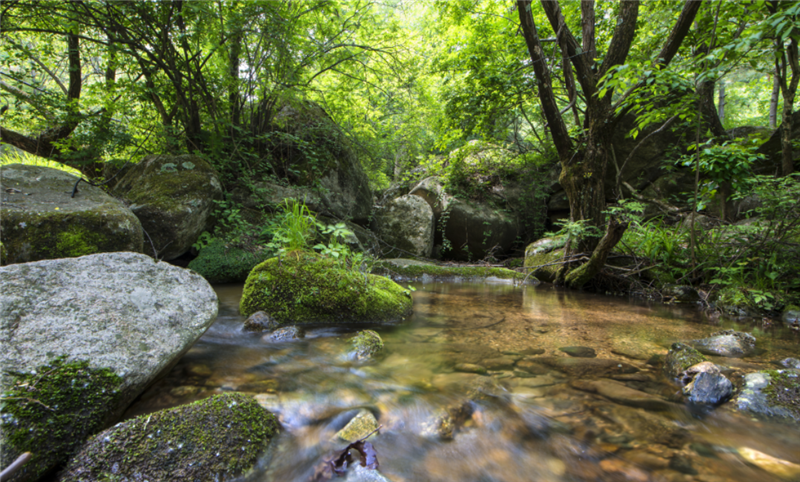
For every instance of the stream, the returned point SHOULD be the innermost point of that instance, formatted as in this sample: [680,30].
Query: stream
[520,421]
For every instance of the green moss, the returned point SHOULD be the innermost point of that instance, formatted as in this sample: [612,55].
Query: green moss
[539,257]
[414,272]
[366,344]
[221,263]
[213,439]
[681,357]
[784,390]
[306,288]
[162,189]
[52,411]
[32,236]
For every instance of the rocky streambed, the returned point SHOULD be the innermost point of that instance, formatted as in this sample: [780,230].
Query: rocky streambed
[496,382]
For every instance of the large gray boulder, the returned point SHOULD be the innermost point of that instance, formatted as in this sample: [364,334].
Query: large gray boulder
[173,197]
[406,223]
[314,154]
[476,230]
[39,218]
[123,315]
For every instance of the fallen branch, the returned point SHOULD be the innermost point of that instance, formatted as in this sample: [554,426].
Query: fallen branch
[15,466]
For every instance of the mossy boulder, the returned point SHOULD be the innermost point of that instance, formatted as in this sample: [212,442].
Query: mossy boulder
[51,410]
[173,197]
[39,218]
[220,262]
[213,439]
[406,223]
[541,258]
[400,269]
[306,288]
[307,149]
[680,358]
[366,344]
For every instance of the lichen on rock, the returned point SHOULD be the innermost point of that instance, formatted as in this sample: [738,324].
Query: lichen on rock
[51,411]
[212,439]
[542,258]
[680,358]
[306,288]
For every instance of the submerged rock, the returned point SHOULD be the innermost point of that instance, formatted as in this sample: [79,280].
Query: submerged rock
[173,197]
[358,427]
[775,466]
[39,219]
[213,439]
[790,363]
[259,321]
[728,343]
[470,368]
[286,333]
[366,345]
[619,393]
[120,312]
[680,358]
[306,288]
[579,351]
[585,367]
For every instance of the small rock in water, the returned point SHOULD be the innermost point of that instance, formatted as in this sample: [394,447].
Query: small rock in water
[775,466]
[680,358]
[287,333]
[359,427]
[688,375]
[790,363]
[199,370]
[366,345]
[682,464]
[532,351]
[728,343]
[470,368]
[579,351]
[791,316]
[261,386]
[709,389]
[260,321]
[185,391]
[499,363]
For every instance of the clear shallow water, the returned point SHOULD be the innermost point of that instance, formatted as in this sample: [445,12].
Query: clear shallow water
[521,422]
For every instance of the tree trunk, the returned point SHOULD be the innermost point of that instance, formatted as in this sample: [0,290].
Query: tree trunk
[584,273]
[721,103]
[773,102]
[787,161]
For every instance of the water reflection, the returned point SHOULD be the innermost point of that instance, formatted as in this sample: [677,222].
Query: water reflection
[519,420]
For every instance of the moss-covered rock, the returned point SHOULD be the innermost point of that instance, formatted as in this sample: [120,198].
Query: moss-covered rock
[411,270]
[213,439]
[39,218]
[223,263]
[307,288]
[771,394]
[173,197]
[366,345]
[540,256]
[51,411]
[680,358]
